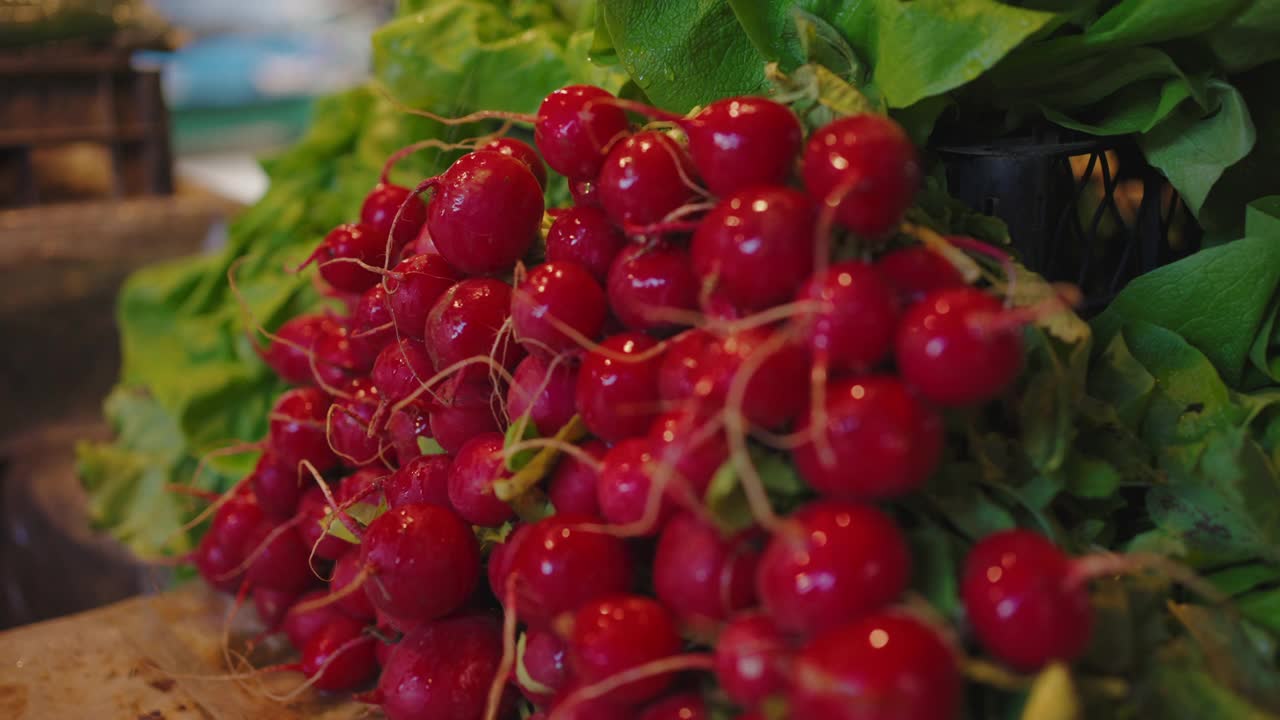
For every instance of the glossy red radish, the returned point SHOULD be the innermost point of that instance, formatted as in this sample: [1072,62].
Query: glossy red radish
[544,392]
[852,326]
[424,479]
[586,236]
[702,576]
[485,213]
[575,126]
[476,467]
[278,559]
[468,321]
[413,288]
[314,517]
[681,706]
[341,253]
[544,662]
[644,178]
[829,563]
[424,560]
[617,391]
[1025,601]
[955,347]
[502,558]
[776,389]
[401,369]
[883,665]
[756,246]
[379,213]
[466,410]
[572,485]
[865,167]
[560,566]
[302,625]
[751,659]
[353,601]
[521,151]
[626,487]
[339,656]
[371,326]
[276,486]
[296,431]
[271,605]
[653,287]
[917,271]
[874,424]
[352,430]
[741,142]
[290,353]
[683,441]
[442,669]
[558,306]
[218,565]
[682,368]
[585,194]
[617,633]
[405,427]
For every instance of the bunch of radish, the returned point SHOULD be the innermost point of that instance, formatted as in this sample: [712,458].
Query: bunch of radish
[720,285]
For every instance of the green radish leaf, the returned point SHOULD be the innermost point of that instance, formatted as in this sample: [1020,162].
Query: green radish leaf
[1089,477]
[1243,578]
[521,429]
[936,559]
[429,446]
[1230,654]
[727,503]
[362,512]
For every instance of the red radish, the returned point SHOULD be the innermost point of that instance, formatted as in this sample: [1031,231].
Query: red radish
[337,358]
[352,421]
[572,485]
[585,193]
[339,656]
[626,484]
[682,365]
[424,560]
[395,625]
[544,662]
[598,709]
[413,288]
[279,559]
[424,479]
[681,706]
[520,151]
[379,211]
[297,429]
[617,633]
[917,271]
[272,605]
[556,295]
[354,602]
[401,369]
[575,126]
[884,665]
[680,441]
[776,390]
[750,656]
[338,251]
[363,485]
[1024,600]
[644,178]
[390,637]
[546,394]
[740,142]
[478,464]
[236,520]
[854,328]
[405,426]
[276,486]
[289,354]
[561,566]
[485,213]
[585,235]
[302,625]
[954,349]
[314,513]
[371,326]
[875,424]
[617,395]
[469,409]
[701,575]
[648,284]
[466,322]
[441,670]
[215,563]
[866,168]
[829,563]
[756,246]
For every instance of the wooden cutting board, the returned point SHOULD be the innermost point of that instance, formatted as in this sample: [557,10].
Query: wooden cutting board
[154,657]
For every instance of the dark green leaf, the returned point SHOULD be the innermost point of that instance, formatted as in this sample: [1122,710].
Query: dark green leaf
[956,493]
[1248,39]
[1243,578]
[1230,655]
[935,568]
[1089,477]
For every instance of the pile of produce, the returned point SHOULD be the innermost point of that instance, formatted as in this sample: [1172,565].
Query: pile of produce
[731,413]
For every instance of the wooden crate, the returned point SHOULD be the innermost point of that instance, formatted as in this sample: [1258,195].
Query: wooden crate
[87,103]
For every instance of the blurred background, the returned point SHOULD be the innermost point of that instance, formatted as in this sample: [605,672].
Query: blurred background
[128,135]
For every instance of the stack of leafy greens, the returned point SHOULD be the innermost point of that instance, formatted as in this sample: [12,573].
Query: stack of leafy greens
[1156,428]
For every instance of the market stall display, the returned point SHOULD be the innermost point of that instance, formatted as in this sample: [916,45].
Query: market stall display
[698,395]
